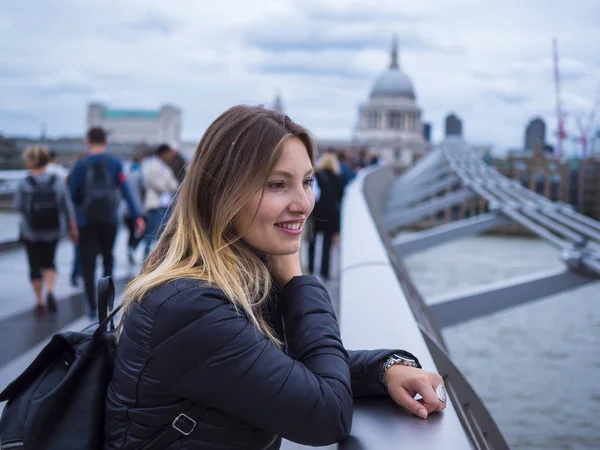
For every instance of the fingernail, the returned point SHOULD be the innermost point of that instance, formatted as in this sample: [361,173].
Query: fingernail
[422,413]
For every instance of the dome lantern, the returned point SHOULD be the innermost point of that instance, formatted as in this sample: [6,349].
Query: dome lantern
[393,82]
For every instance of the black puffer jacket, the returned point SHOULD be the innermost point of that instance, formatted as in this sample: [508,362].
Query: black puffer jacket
[185,341]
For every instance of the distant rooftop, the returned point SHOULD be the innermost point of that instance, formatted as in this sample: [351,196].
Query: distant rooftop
[130,114]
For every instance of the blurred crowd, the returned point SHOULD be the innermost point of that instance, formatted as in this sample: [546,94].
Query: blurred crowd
[334,170]
[90,202]
[100,193]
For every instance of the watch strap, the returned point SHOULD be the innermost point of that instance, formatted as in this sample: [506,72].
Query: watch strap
[405,359]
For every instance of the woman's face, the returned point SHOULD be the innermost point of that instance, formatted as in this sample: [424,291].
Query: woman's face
[274,224]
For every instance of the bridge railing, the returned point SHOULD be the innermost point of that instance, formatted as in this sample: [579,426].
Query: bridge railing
[376,313]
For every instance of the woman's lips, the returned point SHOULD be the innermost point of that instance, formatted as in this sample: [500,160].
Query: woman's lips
[291,227]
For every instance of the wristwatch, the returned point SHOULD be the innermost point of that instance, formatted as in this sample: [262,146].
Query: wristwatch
[392,361]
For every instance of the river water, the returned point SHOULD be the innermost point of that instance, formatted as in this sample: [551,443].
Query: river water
[536,367]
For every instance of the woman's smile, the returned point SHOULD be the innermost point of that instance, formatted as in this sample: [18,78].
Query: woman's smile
[293,227]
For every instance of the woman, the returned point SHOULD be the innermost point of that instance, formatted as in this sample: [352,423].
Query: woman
[325,218]
[223,339]
[42,200]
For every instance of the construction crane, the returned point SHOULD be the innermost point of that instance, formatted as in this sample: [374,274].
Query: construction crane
[587,130]
[591,129]
[561,133]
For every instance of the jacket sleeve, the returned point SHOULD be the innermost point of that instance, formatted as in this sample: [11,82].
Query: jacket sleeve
[66,205]
[364,364]
[19,199]
[364,367]
[75,181]
[212,354]
[123,185]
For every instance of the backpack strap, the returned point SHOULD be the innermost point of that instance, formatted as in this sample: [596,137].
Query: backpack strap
[106,302]
[183,425]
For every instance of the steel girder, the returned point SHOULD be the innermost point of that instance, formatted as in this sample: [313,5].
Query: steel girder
[429,189]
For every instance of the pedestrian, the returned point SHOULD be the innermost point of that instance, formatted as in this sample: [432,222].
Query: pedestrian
[42,200]
[160,187]
[53,168]
[325,219]
[76,271]
[93,185]
[178,165]
[203,352]
[347,173]
[136,182]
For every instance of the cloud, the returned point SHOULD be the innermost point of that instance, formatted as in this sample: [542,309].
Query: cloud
[492,65]
[154,23]
[510,98]
[65,89]
[299,69]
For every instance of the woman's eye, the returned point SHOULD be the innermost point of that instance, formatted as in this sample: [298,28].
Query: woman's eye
[309,182]
[276,185]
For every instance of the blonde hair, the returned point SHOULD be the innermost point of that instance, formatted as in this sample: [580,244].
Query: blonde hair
[38,156]
[231,163]
[329,161]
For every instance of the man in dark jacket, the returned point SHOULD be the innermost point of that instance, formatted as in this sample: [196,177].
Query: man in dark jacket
[96,207]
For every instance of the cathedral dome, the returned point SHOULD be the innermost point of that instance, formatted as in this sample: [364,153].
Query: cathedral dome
[393,82]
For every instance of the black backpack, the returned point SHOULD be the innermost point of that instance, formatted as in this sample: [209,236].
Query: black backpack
[43,207]
[99,193]
[58,402]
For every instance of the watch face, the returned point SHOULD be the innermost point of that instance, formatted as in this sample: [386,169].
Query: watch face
[404,358]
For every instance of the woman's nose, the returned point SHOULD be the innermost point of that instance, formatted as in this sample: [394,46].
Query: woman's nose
[303,201]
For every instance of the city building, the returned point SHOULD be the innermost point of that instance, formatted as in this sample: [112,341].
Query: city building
[535,133]
[67,150]
[453,126]
[595,144]
[390,123]
[151,127]
[278,104]
[574,181]
[10,158]
[427,130]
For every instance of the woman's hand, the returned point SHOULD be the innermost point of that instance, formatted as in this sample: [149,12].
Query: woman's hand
[404,382]
[284,267]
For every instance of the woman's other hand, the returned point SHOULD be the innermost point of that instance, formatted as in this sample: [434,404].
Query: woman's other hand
[285,267]
[404,382]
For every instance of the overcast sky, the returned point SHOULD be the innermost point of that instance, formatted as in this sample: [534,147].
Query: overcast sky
[488,61]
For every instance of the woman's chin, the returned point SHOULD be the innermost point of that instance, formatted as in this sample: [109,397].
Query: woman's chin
[288,249]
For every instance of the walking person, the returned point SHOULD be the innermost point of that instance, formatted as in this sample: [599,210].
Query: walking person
[93,185]
[136,183]
[224,343]
[53,168]
[160,187]
[76,270]
[325,218]
[42,199]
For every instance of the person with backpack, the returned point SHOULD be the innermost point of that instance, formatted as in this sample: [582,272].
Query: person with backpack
[43,200]
[93,185]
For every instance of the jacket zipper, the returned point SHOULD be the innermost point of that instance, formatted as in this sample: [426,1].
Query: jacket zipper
[9,445]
